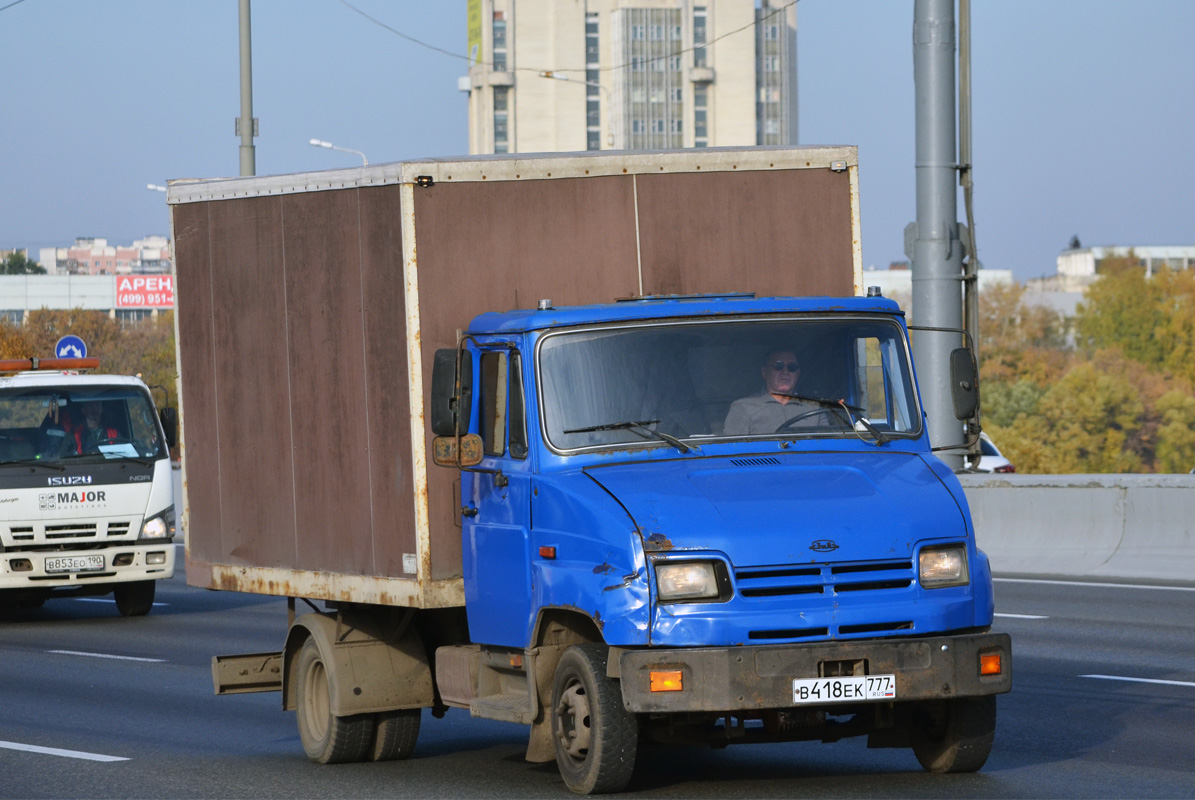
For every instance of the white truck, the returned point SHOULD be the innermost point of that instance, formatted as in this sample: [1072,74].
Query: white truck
[86,490]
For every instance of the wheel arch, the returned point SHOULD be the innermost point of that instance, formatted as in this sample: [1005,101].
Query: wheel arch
[366,672]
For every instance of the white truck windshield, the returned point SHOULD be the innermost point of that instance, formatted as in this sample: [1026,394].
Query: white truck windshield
[53,425]
[646,384]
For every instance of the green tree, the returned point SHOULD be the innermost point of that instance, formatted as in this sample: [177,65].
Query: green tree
[1018,340]
[1125,309]
[16,263]
[44,327]
[146,349]
[13,343]
[1176,434]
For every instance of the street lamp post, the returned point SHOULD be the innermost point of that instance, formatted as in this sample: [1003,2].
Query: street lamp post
[330,146]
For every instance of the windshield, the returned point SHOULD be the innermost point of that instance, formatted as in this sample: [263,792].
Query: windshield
[747,379]
[55,424]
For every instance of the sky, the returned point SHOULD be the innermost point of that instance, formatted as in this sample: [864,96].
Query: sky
[1084,110]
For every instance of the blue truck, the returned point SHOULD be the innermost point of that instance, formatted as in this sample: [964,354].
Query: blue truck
[687,513]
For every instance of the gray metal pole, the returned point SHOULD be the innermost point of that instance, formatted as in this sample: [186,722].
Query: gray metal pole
[245,124]
[937,253]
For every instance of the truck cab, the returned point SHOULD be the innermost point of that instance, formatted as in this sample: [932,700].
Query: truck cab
[742,556]
[86,488]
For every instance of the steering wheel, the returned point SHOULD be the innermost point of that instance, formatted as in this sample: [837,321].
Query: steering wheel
[95,445]
[791,421]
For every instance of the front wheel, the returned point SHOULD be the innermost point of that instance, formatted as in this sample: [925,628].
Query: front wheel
[327,739]
[594,735]
[955,735]
[135,598]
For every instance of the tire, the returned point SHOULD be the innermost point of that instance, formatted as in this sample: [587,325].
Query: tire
[327,739]
[955,735]
[395,734]
[135,598]
[594,735]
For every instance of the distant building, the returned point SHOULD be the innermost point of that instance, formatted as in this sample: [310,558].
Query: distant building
[90,256]
[121,297]
[547,76]
[1078,267]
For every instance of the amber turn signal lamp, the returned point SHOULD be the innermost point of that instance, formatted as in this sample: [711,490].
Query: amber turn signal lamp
[547,551]
[989,664]
[666,681]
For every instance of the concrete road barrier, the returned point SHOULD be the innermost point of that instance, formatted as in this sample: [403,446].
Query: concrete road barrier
[1097,526]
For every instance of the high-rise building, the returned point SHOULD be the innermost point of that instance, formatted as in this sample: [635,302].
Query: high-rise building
[561,75]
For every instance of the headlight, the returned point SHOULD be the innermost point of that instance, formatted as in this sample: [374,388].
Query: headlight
[687,580]
[943,566]
[158,527]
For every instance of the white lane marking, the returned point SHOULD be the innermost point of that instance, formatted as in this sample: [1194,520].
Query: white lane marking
[54,751]
[1100,585]
[1022,616]
[104,600]
[1140,680]
[105,655]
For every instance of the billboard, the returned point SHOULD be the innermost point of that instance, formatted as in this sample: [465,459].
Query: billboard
[145,291]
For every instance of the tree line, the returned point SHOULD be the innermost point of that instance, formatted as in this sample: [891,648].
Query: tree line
[143,347]
[1107,391]
[1110,390]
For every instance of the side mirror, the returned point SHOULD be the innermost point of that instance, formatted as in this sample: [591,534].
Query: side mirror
[169,417]
[446,454]
[446,403]
[964,383]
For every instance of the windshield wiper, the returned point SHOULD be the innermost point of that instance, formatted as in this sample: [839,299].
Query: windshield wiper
[640,425]
[854,419]
[33,462]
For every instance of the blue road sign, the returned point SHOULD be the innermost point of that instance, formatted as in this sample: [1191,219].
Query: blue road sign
[70,346]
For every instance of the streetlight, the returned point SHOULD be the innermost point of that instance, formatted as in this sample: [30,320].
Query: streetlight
[609,101]
[330,146]
[153,187]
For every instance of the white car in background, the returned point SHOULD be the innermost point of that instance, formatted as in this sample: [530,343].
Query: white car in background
[991,460]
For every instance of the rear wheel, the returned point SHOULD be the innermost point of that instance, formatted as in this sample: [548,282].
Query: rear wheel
[395,734]
[955,735]
[135,598]
[327,739]
[595,736]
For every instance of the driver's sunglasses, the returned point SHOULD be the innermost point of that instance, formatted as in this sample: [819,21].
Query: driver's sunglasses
[789,366]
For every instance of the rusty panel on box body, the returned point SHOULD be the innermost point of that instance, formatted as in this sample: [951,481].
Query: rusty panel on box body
[252,429]
[505,245]
[786,232]
[328,416]
[388,402]
[198,364]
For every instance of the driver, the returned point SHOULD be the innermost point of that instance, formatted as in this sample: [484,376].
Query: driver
[773,405]
[92,432]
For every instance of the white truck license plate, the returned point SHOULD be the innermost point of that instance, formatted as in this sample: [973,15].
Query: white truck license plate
[838,690]
[74,564]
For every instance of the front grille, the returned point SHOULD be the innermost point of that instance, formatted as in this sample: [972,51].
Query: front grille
[70,531]
[65,535]
[831,579]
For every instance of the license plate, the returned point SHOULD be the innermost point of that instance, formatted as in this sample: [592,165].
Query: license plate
[840,690]
[75,564]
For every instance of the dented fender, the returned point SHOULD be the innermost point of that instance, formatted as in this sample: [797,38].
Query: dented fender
[599,568]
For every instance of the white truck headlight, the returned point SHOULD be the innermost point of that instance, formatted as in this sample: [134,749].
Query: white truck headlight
[943,566]
[158,527]
[687,580]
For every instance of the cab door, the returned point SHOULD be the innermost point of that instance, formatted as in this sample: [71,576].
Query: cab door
[496,507]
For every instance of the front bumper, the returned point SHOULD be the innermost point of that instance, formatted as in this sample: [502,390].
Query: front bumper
[761,677]
[114,569]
